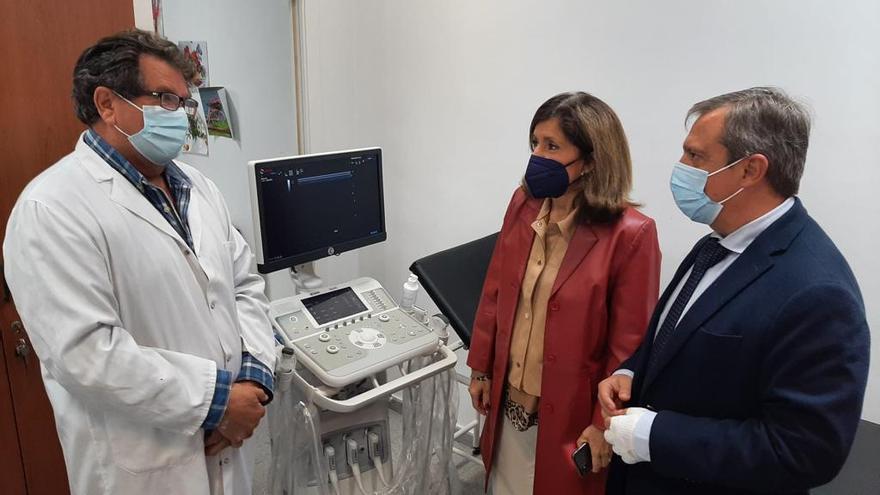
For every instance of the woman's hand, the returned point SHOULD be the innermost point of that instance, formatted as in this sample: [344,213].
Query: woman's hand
[479,389]
[600,449]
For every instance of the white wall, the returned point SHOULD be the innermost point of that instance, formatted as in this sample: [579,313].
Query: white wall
[448,89]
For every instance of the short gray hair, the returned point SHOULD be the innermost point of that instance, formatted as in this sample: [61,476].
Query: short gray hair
[764,120]
[114,62]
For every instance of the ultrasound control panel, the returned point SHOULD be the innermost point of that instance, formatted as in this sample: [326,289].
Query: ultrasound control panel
[346,333]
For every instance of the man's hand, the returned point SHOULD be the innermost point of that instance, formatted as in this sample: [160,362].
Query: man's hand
[215,443]
[479,389]
[614,392]
[243,412]
[599,448]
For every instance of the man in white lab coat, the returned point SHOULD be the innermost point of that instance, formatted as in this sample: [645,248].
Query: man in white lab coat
[135,289]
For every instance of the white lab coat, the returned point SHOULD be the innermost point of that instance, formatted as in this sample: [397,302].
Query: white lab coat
[130,326]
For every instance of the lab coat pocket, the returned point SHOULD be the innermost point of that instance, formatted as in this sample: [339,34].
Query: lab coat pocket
[139,448]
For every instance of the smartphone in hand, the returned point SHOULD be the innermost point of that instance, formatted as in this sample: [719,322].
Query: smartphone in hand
[583,459]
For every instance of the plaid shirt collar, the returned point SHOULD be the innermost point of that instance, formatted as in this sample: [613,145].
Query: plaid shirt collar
[178,182]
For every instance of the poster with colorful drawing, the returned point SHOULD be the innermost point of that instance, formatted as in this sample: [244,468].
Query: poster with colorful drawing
[158,25]
[197,136]
[216,109]
[197,53]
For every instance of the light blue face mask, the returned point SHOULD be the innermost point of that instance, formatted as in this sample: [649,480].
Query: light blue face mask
[163,134]
[688,186]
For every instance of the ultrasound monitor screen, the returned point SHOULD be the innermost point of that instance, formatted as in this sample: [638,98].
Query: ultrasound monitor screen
[314,206]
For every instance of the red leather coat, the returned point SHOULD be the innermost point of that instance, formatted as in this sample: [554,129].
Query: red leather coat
[598,312]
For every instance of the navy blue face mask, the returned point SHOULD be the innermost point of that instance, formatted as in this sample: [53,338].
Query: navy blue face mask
[547,178]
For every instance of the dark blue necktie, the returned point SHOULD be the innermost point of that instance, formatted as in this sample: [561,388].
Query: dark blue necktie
[710,253]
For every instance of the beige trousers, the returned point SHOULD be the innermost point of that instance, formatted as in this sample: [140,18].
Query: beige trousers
[513,472]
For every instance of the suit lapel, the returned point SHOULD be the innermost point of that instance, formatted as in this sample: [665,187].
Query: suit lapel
[756,260]
[748,267]
[581,243]
[664,300]
[676,279]
[670,289]
[521,246]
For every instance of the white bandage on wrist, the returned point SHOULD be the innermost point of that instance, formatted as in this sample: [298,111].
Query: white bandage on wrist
[621,435]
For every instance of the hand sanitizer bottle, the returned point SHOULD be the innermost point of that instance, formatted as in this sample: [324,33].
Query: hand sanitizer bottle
[410,291]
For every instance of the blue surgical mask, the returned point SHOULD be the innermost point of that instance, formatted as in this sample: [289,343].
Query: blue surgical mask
[546,178]
[688,186]
[163,134]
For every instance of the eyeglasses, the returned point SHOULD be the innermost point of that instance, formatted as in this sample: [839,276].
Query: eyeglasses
[170,101]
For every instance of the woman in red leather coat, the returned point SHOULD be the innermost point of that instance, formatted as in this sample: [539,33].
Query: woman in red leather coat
[568,294]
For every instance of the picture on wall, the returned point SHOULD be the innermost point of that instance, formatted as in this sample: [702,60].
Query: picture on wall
[216,110]
[197,136]
[197,53]
[158,27]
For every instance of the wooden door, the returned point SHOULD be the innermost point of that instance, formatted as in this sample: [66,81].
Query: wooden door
[40,41]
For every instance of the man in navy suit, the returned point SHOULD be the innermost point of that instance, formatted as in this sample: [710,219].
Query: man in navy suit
[752,373]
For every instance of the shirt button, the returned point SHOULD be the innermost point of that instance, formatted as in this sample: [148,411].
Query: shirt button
[212,305]
[167,210]
[551,358]
[554,306]
[518,365]
[540,262]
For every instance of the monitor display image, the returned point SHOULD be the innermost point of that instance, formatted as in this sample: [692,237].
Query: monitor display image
[311,206]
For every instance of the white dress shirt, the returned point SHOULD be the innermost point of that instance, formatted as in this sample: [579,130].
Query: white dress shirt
[736,242]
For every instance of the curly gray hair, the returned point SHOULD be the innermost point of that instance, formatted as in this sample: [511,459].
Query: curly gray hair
[114,62]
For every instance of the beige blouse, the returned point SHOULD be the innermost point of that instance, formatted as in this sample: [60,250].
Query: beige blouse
[527,342]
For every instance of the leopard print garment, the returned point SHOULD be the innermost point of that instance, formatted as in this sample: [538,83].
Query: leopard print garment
[516,413]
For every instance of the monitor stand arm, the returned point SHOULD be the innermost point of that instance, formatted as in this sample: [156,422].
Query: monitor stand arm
[304,278]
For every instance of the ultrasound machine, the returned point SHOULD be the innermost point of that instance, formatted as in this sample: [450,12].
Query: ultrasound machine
[349,356]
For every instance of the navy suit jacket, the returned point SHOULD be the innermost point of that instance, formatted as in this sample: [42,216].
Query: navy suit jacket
[760,388]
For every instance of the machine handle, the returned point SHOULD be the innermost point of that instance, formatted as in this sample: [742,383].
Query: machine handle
[386,389]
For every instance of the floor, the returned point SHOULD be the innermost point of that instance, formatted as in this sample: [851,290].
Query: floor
[471,475]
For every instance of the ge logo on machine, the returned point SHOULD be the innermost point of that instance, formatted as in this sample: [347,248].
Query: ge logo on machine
[367,338]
